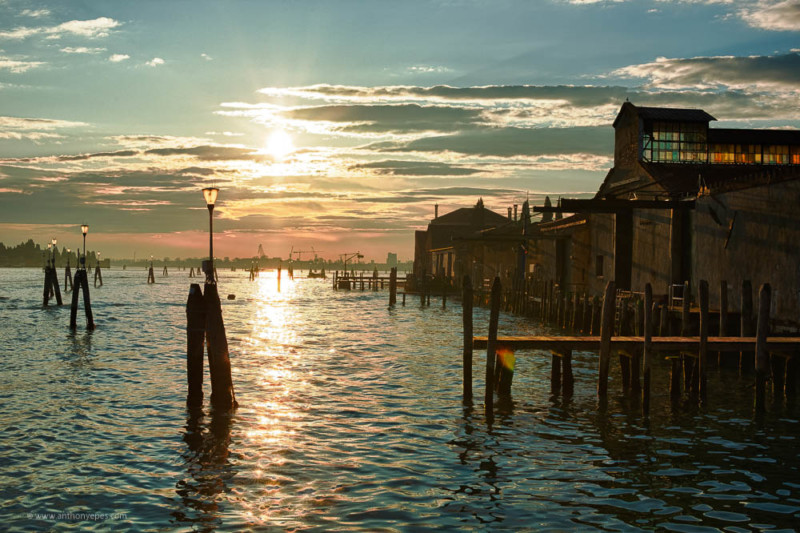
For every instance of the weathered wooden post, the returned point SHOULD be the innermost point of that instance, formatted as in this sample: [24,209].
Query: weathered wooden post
[746,326]
[404,296]
[392,286]
[567,379]
[151,278]
[636,356]
[466,307]
[67,277]
[624,359]
[702,355]
[762,354]
[606,328]
[596,315]
[98,275]
[164,273]
[81,284]
[279,278]
[648,348]
[219,363]
[444,293]
[688,362]
[195,343]
[555,373]
[491,347]
[723,319]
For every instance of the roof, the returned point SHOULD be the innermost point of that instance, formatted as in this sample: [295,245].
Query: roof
[470,216]
[739,136]
[680,180]
[665,113]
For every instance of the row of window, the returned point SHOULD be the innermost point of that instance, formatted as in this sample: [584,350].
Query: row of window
[675,152]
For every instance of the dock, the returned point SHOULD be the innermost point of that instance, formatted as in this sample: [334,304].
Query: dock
[629,344]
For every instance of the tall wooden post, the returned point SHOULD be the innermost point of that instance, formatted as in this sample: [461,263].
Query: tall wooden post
[567,379]
[98,275]
[151,278]
[81,284]
[762,354]
[606,328]
[723,318]
[624,359]
[746,326]
[195,343]
[466,305]
[702,356]
[491,348]
[555,373]
[444,293]
[219,363]
[392,286]
[279,278]
[647,355]
[67,279]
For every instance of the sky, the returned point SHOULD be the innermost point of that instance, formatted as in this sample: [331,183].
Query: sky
[339,124]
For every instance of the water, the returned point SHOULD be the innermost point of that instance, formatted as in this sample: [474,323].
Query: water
[351,419]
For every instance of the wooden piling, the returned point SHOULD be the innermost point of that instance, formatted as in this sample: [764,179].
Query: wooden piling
[723,317]
[494,317]
[81,284]
[702,355]
[596,316]
[67,279]
[624,359]
[746,326]
[222,394]
[164,273]
[567,379]
[636,356]
[688,363]
[279,279]
[606,328]
[393,286]
[98,276]
[647,349]
[555,373]
[762,355]
[466,306]
[444,293]
[195,344]
[151,278]
[404,298]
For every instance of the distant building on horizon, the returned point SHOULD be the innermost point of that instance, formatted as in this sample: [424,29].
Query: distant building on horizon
[391,260]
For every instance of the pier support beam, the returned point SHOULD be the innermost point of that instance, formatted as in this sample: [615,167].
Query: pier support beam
[195,344]
[81,284]
[606,328]
[491,347]
[746,326]
[762,355]
[702,355]
[219,363]
[466,303]
[647,354]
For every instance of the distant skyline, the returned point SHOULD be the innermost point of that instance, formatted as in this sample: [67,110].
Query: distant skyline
[339,124]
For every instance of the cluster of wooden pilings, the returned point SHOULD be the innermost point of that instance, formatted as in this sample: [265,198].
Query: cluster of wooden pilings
[345,280]
[205,327]
[627,323]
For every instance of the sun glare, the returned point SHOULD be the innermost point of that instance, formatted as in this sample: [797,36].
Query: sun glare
[279,144]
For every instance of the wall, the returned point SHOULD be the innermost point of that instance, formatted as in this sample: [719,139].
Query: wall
[651,250]
[764,245]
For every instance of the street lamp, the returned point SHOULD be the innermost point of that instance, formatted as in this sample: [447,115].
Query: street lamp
[84,230]
[69,252]
[210,194]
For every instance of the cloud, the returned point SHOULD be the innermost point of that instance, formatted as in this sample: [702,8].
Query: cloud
[95,28]
[83,157]
[209,153]
[35,13]
[156,61]
[17,66]
[415,168]
[207,57]
[82,50]
[775,16]
[778,72]
[116,58]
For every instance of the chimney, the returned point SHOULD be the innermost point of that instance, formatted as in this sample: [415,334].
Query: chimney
[435,211]
[515,212]
[509,213]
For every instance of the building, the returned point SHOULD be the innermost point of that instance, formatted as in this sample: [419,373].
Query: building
[685,202]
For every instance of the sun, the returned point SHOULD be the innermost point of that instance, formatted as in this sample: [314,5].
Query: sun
[279,144]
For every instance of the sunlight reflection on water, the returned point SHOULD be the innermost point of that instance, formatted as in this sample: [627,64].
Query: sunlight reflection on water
[351,418]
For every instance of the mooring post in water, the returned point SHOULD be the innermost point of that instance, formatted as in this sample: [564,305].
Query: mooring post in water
[746,326]
[165,272]
[98,275]
[596,315]
[624,359]
[67,277]
[81,284]
[445,283]
[392,286]
[151,278]
[647,350]
[636,356]
[555,373]
[491,346]
[279,278]
[466,306]
[567,379]
[702,355]
[195,343]
[723,318]
[762,354]
[606,328]
[219,363]
[688,362]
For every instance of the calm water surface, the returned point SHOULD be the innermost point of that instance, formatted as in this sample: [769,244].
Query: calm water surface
[351,419]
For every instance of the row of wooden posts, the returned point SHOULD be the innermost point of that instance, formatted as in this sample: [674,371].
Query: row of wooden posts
[600,321]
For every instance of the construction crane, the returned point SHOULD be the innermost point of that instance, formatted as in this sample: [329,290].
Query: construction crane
[301,252]
[348,256]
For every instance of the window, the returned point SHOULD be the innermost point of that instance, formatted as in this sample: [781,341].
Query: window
[676,142]
[794,155]
[776,154]
[598,268]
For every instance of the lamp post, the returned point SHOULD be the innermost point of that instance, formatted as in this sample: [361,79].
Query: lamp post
[84,230]
[49,256]
[69,252]
[98,260]
[210,194]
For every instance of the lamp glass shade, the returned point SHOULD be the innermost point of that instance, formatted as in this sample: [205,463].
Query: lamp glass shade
[54,241]
[84,228]
[210,194]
